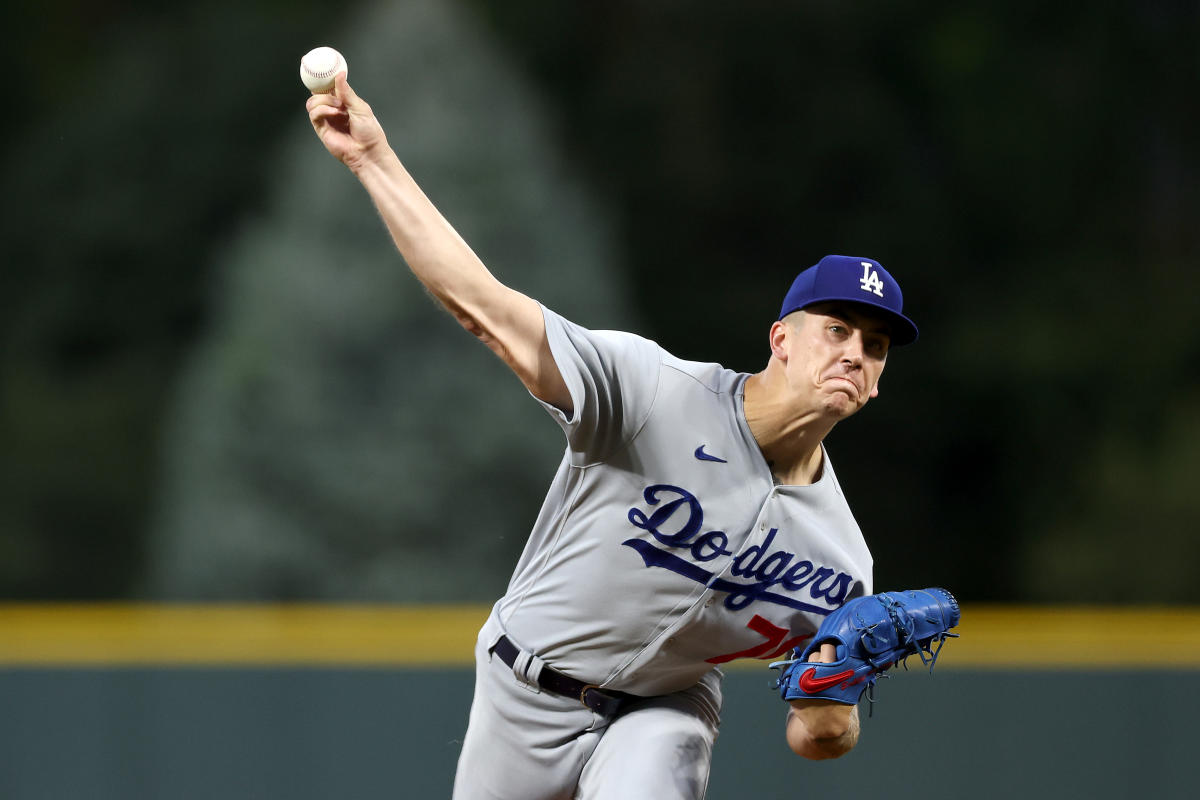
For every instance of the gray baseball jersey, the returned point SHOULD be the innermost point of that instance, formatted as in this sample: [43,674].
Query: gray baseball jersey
[663,549]
[664,546]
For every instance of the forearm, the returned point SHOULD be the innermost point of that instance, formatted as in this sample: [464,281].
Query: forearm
[507,321]
[818,729]
[437,255]
[439,258]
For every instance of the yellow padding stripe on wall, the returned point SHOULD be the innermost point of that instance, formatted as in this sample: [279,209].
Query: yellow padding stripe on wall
[356,635]
[1069,636]
[350,635]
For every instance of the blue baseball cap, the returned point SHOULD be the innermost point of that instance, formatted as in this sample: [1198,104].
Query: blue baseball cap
[855,280]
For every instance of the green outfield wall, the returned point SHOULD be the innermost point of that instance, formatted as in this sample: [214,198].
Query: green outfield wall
[124,702]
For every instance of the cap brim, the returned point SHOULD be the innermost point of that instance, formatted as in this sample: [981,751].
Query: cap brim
[903,330]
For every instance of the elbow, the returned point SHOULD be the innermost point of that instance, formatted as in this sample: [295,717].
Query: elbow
[828,728]
[823,737]
[823,749]
[820,748]
[470,322]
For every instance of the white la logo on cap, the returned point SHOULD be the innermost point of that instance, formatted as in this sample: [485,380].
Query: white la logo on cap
[870,280]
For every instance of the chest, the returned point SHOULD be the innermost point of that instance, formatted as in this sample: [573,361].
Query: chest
[738,562]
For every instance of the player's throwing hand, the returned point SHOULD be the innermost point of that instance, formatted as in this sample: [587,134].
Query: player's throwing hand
[346,125]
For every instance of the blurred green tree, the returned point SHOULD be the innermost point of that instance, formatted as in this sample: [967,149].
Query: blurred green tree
[1028,171]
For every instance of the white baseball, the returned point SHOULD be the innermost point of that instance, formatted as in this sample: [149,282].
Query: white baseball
[319,67]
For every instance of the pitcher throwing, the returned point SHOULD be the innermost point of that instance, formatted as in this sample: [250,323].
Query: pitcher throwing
[695,518]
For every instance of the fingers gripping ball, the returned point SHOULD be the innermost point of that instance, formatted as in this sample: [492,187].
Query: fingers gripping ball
[319,67]
[870,634]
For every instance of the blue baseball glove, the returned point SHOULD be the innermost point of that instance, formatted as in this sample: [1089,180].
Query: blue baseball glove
[871,634]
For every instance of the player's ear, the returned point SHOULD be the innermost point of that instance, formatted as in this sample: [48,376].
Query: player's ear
[780,331]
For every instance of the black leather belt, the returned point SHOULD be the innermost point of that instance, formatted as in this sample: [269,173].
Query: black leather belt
[603,701]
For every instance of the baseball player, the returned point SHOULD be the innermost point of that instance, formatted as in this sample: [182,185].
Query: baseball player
[695,518]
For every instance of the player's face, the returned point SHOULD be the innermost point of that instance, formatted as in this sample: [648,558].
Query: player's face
[836,353]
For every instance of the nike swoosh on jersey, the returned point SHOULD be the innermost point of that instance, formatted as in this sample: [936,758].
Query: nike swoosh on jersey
[703,456]
[811,684]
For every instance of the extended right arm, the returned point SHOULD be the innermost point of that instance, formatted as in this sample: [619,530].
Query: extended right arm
[507,321]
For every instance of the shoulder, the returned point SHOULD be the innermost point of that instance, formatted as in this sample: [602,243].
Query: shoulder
[632,352]
[559,329]
[705,374]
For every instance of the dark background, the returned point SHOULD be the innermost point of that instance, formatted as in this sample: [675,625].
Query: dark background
[1028,172]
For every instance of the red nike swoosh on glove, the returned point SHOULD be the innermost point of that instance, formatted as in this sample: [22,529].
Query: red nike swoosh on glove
[810,684]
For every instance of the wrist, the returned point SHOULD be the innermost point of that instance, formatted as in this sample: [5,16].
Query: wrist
[376,161]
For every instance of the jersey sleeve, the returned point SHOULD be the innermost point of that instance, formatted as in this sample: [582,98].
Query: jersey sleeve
[612,377]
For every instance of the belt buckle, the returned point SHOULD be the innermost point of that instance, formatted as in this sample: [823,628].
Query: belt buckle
[583,692]
[608,706]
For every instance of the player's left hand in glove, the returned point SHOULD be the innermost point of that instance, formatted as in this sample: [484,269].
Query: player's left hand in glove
[870,634]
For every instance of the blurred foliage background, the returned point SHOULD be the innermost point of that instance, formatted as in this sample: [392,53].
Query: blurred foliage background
[217,380]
